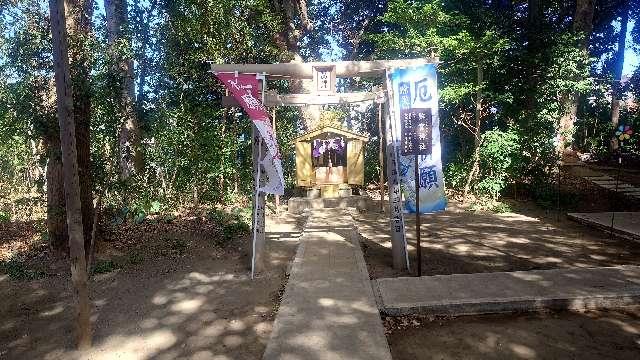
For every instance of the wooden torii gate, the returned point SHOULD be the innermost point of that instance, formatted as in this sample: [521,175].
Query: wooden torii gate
[324,75]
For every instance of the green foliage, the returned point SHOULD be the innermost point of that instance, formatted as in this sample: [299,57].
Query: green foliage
[217,215]
[17,270]
[178,246]
[5,217]
[104,266]
[233,223]
[198,153]
[135,258]
[501,208]
[456,173]
[499,153]
[235,229]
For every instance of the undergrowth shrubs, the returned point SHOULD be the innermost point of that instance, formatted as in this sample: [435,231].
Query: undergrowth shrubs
[233,224]
[17,270]
[104,266]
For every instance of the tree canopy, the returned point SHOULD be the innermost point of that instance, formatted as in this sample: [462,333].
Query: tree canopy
[520,83]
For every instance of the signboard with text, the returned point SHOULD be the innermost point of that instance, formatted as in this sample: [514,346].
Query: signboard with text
[415,129]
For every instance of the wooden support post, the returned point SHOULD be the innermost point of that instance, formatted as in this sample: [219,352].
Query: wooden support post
[273,119]
[258,244]
[381,157]
[70,167]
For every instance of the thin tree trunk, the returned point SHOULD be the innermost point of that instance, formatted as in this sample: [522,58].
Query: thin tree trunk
[617,73]
[129,135]
[475,169]
[66,121]
[79,29]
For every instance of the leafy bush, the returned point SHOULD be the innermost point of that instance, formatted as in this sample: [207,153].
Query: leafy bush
[499,151]
[104,266]
[18,270]
[4,217]
[235,229]
[456,174]
[501,208]
[178,245]
[217,216]
[135,258]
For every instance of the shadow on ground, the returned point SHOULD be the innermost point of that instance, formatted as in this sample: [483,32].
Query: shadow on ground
[201,306]
[463,242]
[591,335]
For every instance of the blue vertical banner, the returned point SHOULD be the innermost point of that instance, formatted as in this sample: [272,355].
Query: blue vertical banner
[415,93]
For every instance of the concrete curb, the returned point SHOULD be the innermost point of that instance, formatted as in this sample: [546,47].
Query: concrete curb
[372,291]
[606,228]
[575,289]
[515,305]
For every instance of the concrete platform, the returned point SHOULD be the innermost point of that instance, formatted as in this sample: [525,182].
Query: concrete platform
[625,224]
[328,310]
[297,205]
[506,292]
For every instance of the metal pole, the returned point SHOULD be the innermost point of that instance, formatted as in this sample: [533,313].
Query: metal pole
[558,191]
[418,247]
[613,212]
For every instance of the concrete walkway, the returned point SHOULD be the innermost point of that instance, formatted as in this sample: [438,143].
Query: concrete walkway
[468,294]
[328,310]
[625,224]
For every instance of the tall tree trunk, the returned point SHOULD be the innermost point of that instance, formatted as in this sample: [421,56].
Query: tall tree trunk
[56,225]
[288,38]
[616,94]
[79,29]
[129,134]
[582,26]
[66,121]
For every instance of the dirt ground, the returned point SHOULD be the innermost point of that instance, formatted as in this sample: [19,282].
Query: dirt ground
[459,241]
[178,295]
[590,335]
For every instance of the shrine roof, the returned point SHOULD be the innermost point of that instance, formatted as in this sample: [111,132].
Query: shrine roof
[309,135]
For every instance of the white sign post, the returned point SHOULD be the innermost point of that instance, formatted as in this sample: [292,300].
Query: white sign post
[398,237]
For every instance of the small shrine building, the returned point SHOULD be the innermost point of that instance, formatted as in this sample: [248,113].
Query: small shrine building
[329,160]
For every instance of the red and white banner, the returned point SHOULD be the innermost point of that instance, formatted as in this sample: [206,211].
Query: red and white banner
[244,88]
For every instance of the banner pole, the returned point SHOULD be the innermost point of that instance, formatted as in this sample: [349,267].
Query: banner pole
[418,247]
[258,208]
[255,206]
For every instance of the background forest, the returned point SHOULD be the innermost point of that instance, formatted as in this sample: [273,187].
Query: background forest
[521,83]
